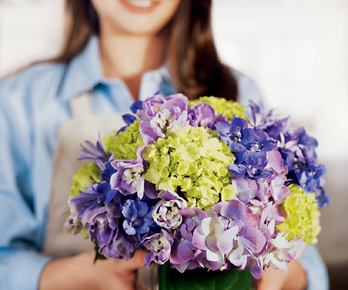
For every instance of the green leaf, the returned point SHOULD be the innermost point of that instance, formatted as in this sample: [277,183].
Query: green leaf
[98,256]
[202,279]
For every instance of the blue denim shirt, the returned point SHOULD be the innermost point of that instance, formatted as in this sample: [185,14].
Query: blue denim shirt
[32,106]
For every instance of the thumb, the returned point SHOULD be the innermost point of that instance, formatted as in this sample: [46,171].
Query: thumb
[136,262]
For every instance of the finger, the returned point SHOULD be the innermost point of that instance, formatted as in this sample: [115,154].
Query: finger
[140,284]
[272,280]
[136,262]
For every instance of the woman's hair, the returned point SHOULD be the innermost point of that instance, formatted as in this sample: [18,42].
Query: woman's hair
[194,65]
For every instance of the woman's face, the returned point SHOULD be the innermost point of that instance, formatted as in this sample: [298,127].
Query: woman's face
[135,17]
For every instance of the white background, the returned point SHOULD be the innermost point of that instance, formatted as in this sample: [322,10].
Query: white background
[295,50]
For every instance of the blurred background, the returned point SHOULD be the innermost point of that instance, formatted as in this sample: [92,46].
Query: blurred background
[295,50]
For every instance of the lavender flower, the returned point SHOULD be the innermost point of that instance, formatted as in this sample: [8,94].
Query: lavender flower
[202,115]
[258,117]
[167,212]
[101,225]
[159,245]
[129,176]
[160,114]
[96,153]
[121,247]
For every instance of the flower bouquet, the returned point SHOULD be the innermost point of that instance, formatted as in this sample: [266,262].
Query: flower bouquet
[202,184]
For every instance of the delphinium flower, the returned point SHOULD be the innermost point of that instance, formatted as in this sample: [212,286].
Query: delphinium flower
[200,184]
[258,117]
[129,119]
[193,161]
[251,143]
[297,150]
[138,217]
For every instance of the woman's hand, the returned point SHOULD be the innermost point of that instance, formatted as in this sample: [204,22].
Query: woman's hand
[79,272]
[294,279]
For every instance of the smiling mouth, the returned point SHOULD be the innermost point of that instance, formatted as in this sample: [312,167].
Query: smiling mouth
[140,3]
[140,6]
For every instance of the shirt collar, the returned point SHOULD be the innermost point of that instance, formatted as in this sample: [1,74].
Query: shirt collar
[83,72]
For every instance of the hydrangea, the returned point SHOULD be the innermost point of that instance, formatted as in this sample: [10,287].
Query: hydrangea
[200,186]
[125,144]
[302,216]
[193,161]
[221,106]
[87,174]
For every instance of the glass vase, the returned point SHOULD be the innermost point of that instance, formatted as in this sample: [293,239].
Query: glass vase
[164,278]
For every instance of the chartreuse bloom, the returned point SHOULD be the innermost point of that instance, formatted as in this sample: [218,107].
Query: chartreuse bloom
[82,179]
[125,144]
[221,105]
[302,215]
[192,161]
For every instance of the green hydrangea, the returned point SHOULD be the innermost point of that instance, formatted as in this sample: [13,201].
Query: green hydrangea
[82,179]
[193,162]
[221,105]
[125,144]
[302,215]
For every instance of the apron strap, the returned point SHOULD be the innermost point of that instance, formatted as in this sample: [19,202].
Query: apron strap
[81,106]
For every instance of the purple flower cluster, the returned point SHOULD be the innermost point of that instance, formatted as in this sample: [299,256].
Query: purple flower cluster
[124,212]
[297,150]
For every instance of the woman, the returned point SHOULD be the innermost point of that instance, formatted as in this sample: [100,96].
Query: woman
[117,51]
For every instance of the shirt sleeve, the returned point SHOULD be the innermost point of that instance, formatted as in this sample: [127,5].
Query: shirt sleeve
[248,90]
[21,235]
[310,260]
[316,270]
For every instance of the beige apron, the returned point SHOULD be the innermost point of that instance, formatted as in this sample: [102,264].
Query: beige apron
[84,125]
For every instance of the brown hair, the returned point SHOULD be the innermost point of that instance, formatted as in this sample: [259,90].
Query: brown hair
[194,65]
